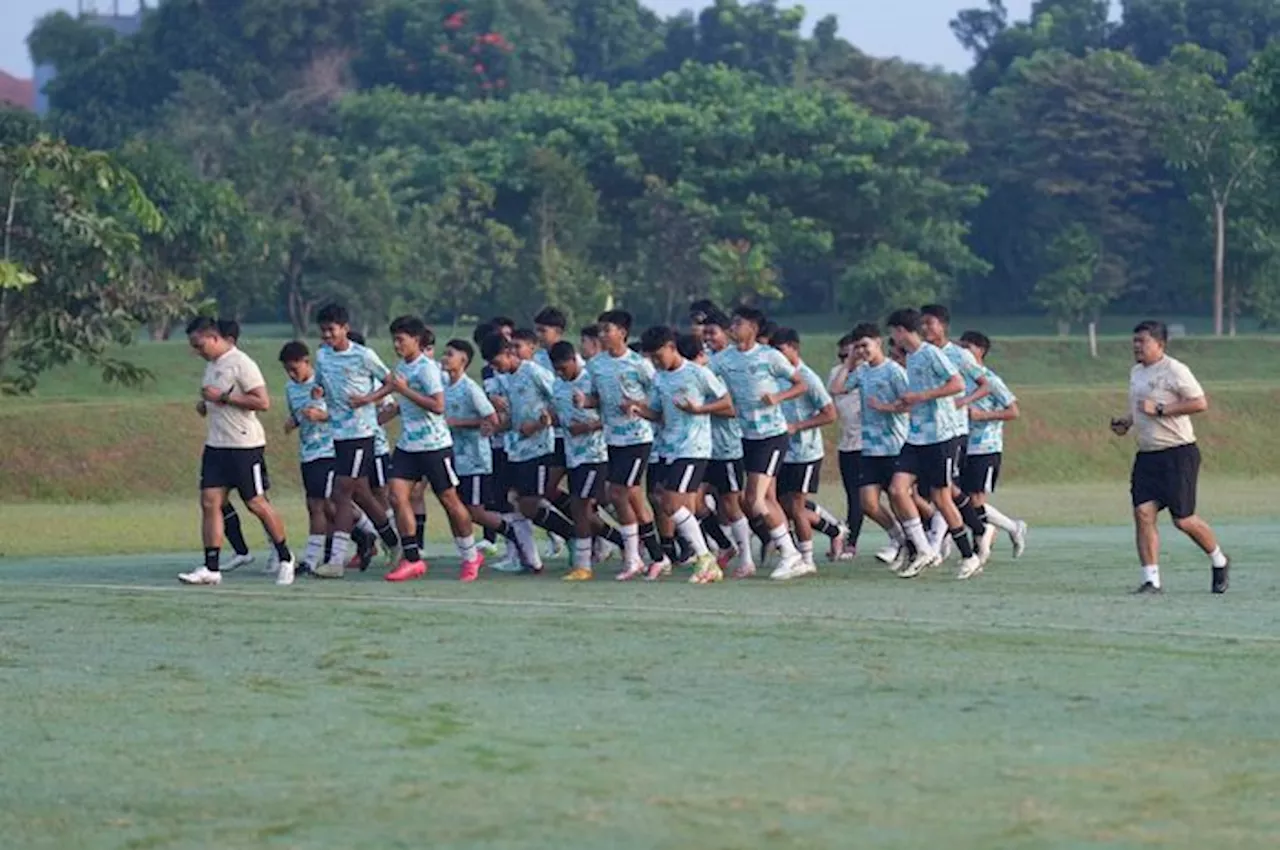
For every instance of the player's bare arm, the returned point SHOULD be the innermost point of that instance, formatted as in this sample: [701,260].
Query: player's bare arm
[255,399]
[953,386]
[1183,407]
[1004,414]
[798,388]
[713,408]
[825,416]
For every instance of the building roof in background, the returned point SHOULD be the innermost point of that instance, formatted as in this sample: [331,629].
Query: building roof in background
[16,91]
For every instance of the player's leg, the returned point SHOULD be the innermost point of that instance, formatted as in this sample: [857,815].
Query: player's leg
[850,479]
[682,496]
[418,499]
[626,471]
[763,461]
[937,477]
[404,468]
[824,522]
[1182,482]
[233,534]
[792,496]
[902,497]
[214,484]
[253,482]
[317,486]
[444,481]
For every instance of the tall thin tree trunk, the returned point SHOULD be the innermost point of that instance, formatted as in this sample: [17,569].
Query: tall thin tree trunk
[1093,338]
[1219,264]
[1233,309]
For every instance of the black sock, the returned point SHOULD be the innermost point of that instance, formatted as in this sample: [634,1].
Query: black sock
[649,537]
[420,528]
[563,502]
[491,535]
[969,514]
[982,515]
[411,551]
[824,527]
[328,548]
[388,534]
[232,530]
[282,551]
[711,528]
[758,526]
[961,538]
[211,556]
[554,522]
[668,545]
[611,534]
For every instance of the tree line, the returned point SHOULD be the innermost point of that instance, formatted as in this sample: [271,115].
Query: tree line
[450,159]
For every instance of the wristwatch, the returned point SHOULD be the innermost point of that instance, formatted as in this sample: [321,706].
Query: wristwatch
[226,397]
[1159,410]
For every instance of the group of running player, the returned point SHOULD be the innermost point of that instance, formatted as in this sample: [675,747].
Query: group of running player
[680,448]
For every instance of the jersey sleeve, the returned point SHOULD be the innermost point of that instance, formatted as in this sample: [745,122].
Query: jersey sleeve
[647,371]
[1000,392]
[712,386]
[779,365]
[969,367]
[545,382]
[431,379]
[818,394]
[480,401]
[374,364]
[249,376]
[898,383]
[941,367]
[1185,383]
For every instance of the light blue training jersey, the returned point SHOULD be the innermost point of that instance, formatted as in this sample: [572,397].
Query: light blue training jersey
[464,400]
[685,436]
[315,439]
[355,371]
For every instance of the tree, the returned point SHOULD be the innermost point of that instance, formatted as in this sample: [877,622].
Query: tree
[65,288]
[1076,287]
[1208,136]
[739,273]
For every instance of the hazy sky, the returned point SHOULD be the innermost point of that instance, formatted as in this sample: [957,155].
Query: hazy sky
[914,29]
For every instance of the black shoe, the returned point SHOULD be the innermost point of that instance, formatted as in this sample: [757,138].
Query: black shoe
[1221,578]
[1148,587]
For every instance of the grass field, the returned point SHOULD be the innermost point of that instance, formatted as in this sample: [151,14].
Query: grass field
[1037,707]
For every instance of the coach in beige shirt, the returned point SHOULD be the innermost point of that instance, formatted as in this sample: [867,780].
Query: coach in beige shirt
[1163,395]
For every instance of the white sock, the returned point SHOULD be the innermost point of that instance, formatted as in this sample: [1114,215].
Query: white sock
[937,529]
[1151,574]
[341,548]
[914,531]
[806,550]
[896,534]
[582,552]
[688,528]
[391,517]
[466,547]
[741,530]
[999,520]
[315,550]
[364,523]
[781,537]
[1217,558]
[825,514]
[630,544]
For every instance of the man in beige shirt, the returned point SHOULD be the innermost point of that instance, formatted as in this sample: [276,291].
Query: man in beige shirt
[233,391]
[1163,395]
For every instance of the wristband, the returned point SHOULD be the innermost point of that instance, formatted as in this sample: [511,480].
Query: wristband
[1159,410]
[225,398]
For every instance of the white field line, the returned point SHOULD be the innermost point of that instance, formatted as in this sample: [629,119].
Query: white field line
[633,608]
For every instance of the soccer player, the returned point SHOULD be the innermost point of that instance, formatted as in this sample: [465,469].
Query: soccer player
[986,449]
[424,452]
[683,397]
[753,373]
[879,382]
[364,534]
[802,466]
[347,370]
[849,410]
[234,457]
[928,459]
[726,473]
[500,503]
[471,417]
[241,556]
[1163,396]
[590,342]
[549,327]
[309,416]
[619,375]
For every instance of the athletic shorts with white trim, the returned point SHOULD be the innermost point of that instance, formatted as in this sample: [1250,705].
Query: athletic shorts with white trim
[981,473]
[317,478]
[800,477]
[353,458]
[529,477]
[764,457]
[877,471]
[378,471]
[932,464]
[435,467]
[588,481]
[726,476]
[684,475]
[242,470]
[627,464]
[476,490]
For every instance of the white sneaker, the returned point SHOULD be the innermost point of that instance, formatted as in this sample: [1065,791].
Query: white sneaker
[945,548]
[1019,538]
[788,567]
[554,547]
[273,564]
[900,559]
[201,576]
[804,569]
[602,551]
[969,568]
[284,575]
[985,543]
[237,561]
[919,564]
[507,564]
[488,548]
[890,553]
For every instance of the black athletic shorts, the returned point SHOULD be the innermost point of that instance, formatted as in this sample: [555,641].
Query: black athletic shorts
[800,477]
[354,458]
[981,473]
[727,476]
[476,490]
[379,470]
[1167,477]
[588,481]
[557,454]
[242,470]
[684,475]
[529,477]
[932,465]
[960,451]
[317,478]
[627,464]
[435,467]
[655,477]
[877,471]
[764,457]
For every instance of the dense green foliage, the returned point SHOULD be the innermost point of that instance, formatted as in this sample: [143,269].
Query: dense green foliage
[457,158]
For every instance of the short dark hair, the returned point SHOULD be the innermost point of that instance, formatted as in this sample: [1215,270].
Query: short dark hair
[203,325]
[977,339]
[333,314]
[689,346]
[717,318]
[701,309]
[750,314]
[551,317]
[655,337]
[410,326]
[907,318]
[866,330]
[768,329]
[294,351]
[229,328]
[561,352]
[356,337]
[499,322]
[493,345]
[462,346]
[634,346]
[591,332]
[524,335]
[482,330]
[621,318]
[785,336]
[942,314]
[847,339]
[1156,329]
[428,337]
